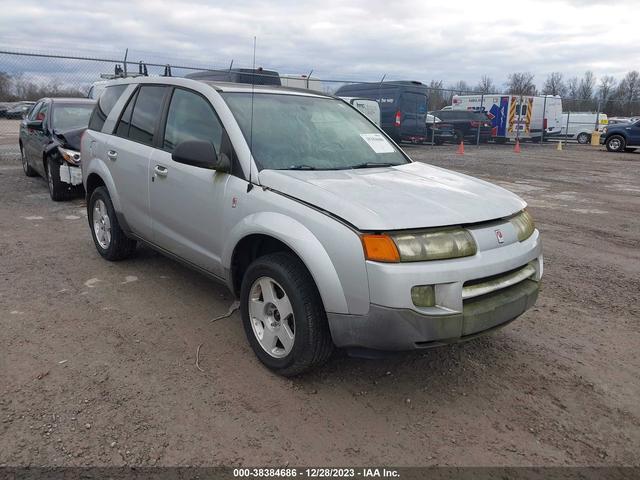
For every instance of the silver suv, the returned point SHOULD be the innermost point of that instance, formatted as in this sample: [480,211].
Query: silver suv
[321,225]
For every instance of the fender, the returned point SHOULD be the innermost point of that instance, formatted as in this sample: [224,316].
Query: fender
[303,242]
[99,168]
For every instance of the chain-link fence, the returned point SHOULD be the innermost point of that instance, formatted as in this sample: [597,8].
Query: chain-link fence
[451,115]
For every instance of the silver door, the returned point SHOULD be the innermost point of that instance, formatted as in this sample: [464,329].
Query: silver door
[186,202]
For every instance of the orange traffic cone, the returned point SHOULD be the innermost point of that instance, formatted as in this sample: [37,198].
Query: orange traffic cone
[517,147]
[461,148]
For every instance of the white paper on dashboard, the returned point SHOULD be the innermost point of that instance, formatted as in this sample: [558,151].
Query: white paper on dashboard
[377,142]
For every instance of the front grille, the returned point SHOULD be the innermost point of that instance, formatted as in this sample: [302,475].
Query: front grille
[482,286]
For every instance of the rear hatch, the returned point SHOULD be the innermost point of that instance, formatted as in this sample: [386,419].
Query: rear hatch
[411,116]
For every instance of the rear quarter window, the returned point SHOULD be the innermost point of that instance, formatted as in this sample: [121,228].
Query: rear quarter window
[103,108]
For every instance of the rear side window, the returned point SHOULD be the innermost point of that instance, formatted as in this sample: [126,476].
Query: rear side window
[146,113]
[107,101]
[122,130]
[191,117]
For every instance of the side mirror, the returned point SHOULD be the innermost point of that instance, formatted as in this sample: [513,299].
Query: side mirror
[34,124]
[200,154]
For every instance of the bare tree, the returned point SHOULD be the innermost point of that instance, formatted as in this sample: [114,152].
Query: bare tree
[486,85]
[628,93]
[586,88]
[554,85]
[5,87]
[606,91]
[437,98]
[521,83]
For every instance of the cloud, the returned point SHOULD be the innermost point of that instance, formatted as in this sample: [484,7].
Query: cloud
[350,39]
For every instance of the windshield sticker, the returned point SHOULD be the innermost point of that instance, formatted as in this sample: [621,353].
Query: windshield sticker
[377,142]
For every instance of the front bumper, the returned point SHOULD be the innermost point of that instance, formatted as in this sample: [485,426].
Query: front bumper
[393,329]
[70,175]
[472,294]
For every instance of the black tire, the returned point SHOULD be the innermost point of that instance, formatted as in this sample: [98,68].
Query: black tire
[28,171]
[583,138]
[616,143]
[57,189]
[312,344]
[120,246]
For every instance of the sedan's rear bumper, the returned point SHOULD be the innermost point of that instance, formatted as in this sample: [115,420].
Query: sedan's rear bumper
[394,329]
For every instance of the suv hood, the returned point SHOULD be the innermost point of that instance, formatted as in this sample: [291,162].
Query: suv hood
[415,195]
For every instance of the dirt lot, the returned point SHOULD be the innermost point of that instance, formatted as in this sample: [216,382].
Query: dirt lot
[97,358]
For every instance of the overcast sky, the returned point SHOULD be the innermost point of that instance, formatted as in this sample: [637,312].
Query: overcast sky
[347,39]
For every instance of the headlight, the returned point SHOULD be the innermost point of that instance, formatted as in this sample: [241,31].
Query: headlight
[523,223]
[69,156]
[434,245]
[419,246]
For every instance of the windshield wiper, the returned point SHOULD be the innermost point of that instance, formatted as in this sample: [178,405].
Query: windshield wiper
[374,165]
[301,167]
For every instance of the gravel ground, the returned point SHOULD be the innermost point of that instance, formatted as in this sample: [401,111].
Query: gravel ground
[97,365]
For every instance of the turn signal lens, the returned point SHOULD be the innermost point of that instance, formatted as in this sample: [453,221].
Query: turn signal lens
[380,248]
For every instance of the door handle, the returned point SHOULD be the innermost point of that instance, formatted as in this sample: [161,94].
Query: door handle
[112,154]
[160,171]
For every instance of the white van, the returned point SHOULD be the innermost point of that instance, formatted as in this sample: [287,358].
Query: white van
[369,108]
[580,125]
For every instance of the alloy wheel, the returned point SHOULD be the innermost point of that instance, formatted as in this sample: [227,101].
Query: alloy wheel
[101,224]
[271,316]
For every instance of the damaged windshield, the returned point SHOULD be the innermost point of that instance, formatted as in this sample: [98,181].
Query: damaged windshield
[295,132]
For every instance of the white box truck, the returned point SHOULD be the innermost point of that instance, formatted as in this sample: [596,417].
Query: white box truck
[516,116]
[301,81]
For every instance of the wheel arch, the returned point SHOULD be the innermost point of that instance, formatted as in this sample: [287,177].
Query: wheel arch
[267,232]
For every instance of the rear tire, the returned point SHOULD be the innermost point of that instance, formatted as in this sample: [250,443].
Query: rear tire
[616,143]
[28,171]
[583,138]
[110,241]
[296,340]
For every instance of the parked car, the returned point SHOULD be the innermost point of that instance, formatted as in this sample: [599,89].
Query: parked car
[19,110]
[321,225]
[580,125]
[369,108]
[50,143]
[439,132]
[466,123]
[403,107]
[621,137]
[258,76]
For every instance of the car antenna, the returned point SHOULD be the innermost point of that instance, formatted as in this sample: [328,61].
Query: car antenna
[253,86]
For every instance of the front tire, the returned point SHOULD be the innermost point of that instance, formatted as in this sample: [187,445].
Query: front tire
[583,138]
[616,143]
[109,239]
[57,190]
[283,315]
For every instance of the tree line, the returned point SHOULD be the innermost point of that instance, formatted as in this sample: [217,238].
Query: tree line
[15,88]
[587,93]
